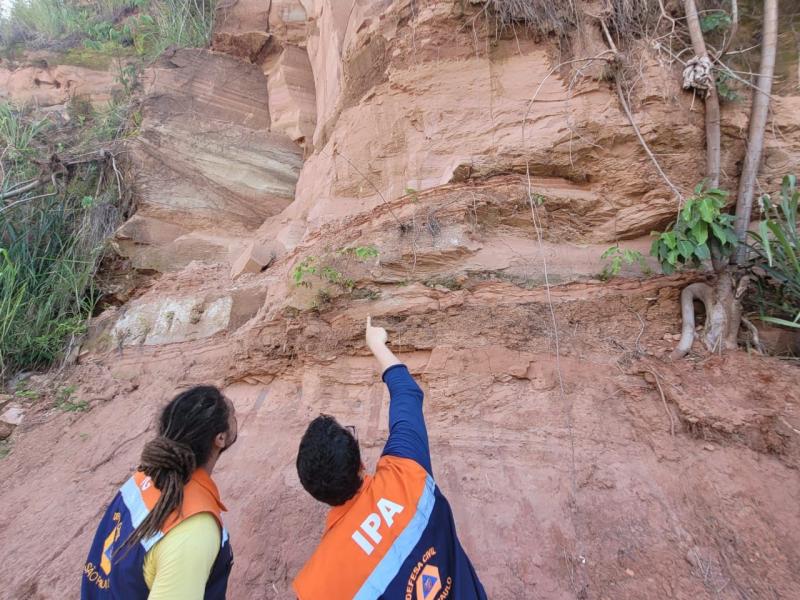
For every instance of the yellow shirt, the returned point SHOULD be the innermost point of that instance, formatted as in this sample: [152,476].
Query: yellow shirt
[178,566]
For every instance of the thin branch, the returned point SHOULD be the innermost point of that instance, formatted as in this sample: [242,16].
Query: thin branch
[116,172]
[13,204]
[664,15]
[475,17]
[627,109]
[2,168]
[742,50]
[608,37]
[601,56]
[732,73]
[641,331]
[349,162]
[734,29]
[659,46]
[642,141]
[664,401]
[21,190]
[19,183]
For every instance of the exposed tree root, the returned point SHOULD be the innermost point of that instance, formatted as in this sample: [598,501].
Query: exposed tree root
[723,314]
[695,291]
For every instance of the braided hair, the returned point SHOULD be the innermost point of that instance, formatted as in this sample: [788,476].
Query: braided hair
[186,432]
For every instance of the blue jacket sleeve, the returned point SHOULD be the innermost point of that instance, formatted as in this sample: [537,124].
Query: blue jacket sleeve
[408,437]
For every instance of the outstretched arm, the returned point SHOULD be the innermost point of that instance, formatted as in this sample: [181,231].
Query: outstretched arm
[408,437]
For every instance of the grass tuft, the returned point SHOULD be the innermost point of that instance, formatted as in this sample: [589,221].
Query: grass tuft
[52,237]
[92,34]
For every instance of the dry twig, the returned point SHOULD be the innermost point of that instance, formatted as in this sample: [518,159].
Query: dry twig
[664,401]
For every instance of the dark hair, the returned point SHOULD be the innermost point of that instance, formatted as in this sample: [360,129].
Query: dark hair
[329,461]
[186,431]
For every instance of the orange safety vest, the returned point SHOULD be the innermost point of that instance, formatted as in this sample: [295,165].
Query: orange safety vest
[111,574]
[361,532]
[199,495]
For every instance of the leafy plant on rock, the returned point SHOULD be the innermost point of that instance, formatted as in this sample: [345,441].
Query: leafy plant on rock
[701,225]
[303,269]
[617,257]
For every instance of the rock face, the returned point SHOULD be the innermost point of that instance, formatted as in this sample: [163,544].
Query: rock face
[47,86]
[410,162]
[291,94]
[172,320]
[241,28]
[207,167]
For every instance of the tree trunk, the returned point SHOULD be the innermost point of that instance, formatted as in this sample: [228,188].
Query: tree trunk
[711,100]
[758,123]
[723,309]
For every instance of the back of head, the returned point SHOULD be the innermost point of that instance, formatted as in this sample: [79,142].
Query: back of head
[329,461]
[186,431]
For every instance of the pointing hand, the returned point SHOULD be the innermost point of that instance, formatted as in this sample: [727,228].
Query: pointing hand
[376,336]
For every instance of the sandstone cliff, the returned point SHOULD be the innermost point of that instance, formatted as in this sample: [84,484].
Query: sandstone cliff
[325,161]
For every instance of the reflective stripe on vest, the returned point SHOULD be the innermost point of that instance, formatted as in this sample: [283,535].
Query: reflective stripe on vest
[390,564]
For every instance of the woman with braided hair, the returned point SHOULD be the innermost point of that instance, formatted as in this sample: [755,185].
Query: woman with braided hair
[162,535]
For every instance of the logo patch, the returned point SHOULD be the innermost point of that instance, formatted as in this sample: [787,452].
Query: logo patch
[108,546]
[429,583]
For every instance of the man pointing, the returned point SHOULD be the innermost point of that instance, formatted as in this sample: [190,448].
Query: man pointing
[390,535]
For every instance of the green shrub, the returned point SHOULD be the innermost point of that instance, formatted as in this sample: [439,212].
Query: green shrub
[701,224]
[776,257]
[51,238]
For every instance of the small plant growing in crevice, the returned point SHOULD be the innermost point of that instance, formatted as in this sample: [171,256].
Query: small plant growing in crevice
[330,270]
[322,299]
[366,294]
[616,257]
[331,275]
[303,269]
[27,394]
[324,267]
[66,403]
[364,253]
